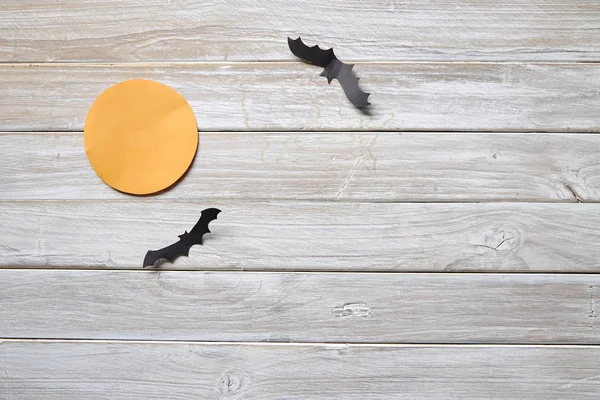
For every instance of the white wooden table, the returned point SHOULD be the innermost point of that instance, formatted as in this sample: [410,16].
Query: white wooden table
[444,246]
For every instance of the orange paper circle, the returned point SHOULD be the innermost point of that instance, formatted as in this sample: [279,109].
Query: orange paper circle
[140,136]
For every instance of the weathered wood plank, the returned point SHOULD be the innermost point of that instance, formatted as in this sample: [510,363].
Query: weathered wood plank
[324,166]
[117,30]
[300,307]
[120,370]
[292,96]
[306,235]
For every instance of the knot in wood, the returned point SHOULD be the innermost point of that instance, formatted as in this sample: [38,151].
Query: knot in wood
[231,383]
[503,238]
[352,310]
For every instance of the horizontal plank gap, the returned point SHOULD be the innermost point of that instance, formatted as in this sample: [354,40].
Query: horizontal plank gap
[293,271]
[350,132]
[276,63]
[305,344]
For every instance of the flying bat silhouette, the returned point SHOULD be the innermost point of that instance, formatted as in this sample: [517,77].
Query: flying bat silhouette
[334,68]
[185,242]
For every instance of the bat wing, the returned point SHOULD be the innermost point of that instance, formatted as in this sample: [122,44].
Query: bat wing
[201,226]
[349,83]
[186,240]
[313,54]
[169,253]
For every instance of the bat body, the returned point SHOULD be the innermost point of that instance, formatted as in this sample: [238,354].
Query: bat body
[333,69]
[185,242]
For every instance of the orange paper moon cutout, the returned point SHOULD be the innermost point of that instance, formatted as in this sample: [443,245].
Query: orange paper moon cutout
[140,136]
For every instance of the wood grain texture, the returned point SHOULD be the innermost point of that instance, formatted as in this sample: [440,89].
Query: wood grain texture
[118,370]
[306,235]
[300,307]
[187,30]
[330,166]
[310,202]
[292,96]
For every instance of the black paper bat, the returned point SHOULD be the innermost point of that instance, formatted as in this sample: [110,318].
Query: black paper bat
[334,68]
[185,242]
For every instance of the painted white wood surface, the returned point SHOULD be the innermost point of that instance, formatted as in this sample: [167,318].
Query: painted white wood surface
[300,307]
[289,235]
[229,30]
[292,96]
[329,166]
[117,370]
[486,67]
